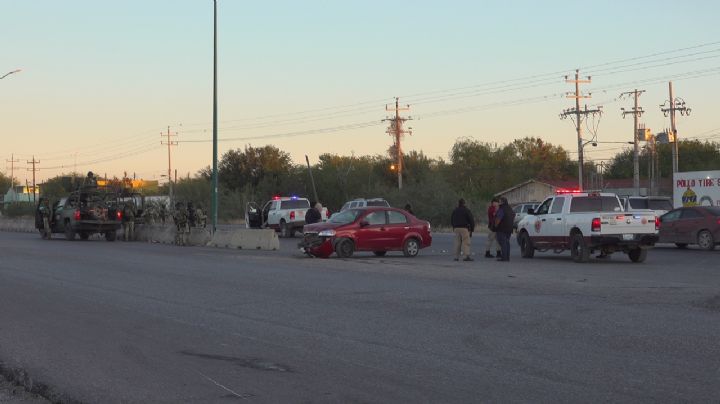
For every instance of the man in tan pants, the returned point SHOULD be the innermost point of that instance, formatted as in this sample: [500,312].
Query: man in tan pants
[463,225]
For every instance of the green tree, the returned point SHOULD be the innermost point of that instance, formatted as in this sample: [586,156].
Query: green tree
[4,183]
[253,165]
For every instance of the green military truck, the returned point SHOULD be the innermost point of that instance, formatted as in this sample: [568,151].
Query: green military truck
[85,212]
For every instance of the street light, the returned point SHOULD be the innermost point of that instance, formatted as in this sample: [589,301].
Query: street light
[9,73]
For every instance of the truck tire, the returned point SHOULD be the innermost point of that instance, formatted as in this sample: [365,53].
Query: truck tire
[527,249]
[69,231]
[578,249]
[284,229]
[110,236]
[637,254]
[411,247]
[705,240]
[344,248]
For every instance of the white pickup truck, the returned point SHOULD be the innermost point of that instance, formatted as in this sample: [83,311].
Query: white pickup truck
[584,223]
[284,214]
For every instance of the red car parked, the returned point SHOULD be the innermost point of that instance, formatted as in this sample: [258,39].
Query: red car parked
[376,229]
[692,225]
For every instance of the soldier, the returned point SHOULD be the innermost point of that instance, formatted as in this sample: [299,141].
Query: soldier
[90,180]
[191,214]
[181,224]
[162,213]
[201,217]
[128,221]
[46,214]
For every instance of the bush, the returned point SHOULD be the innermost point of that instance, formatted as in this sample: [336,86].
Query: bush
[19,209]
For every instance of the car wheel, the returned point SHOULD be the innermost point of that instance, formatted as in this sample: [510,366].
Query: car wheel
[84,236]
[578,249]
[110,236]
[637,254]
[284,229]
[681,246]
[380,253]
[706,241]
[527,250]
[411,248]
[69,232]
[345,248]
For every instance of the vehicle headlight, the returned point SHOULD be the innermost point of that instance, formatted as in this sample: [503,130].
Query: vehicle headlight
[327,233]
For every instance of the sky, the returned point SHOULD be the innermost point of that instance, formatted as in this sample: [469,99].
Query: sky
[101,80]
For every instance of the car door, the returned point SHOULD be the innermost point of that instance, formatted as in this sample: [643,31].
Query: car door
[397,228]
[554,224]
[687,227]
[667,233]
[372,236]
[538,224]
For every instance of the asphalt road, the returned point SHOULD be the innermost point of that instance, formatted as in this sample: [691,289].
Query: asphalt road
[137,322]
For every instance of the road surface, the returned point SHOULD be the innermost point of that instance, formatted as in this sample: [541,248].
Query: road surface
[136,322]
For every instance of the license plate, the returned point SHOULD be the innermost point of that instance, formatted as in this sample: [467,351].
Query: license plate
[628,236]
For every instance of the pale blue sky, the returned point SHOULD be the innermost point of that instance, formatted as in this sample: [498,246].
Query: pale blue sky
[103,78]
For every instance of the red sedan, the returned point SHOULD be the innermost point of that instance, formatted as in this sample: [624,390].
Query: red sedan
[691,225]
[376,229]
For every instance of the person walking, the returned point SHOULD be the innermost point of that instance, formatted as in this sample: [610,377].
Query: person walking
[128,221]
[314,215]
[504,218]
[463,225]
[46,215]
[492,235]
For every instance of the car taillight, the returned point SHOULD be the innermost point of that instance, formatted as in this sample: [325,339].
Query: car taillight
[77,215]
[657,223]
[119,215]
[596,225]
[292,215]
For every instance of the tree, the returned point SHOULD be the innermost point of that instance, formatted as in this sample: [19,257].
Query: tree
[240,168]
[4,183]
[694,155]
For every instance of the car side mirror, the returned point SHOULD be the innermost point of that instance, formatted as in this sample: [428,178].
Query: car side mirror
[531,211]
[364,223]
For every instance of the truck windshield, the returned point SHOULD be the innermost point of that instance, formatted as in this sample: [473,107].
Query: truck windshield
[595,204]
[654,204]
[378,203]
[295,204]
[346,216]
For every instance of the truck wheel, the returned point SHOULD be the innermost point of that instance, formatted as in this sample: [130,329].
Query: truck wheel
[527,250]
[84,236]
[578,249]
[110,236]
[69,232]
[411,248]
[345,248]
[706,241]
[284,229]
[637,254]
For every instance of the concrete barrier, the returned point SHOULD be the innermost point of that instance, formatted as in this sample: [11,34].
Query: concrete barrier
[20,224]
[247,239]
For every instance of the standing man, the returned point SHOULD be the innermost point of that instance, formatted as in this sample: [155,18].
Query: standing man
[191,214]
[181,224]
[504,219]
[200,217]
[128,221]
[492,236]
[314,214]
[463,225]
[46,214]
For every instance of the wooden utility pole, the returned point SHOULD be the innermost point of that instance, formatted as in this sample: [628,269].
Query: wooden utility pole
[396,130]
[12,162]
[579,114]
[33,162]
[637,112]
[312,180]
[669,108]
[169,142]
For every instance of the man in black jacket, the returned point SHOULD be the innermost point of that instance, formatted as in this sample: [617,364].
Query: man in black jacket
[463,225]
[504,219]
[313,214]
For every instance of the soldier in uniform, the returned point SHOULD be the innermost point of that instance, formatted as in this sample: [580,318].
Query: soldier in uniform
[128,221]
[191,214]
[162,213]
[46,214]
[181,224]
[200,217]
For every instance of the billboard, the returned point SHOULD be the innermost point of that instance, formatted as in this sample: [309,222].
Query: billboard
[696,188]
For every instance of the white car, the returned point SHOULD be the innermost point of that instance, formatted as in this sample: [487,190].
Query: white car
[284,214]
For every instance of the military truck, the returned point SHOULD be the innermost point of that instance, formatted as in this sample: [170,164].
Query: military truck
[87,211]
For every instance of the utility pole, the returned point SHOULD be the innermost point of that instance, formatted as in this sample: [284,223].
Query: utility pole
[312,180]
[669,108]
[214,192]
[33,162]
[12,162]
[637,112]
[169,142]
[396,129]
[579,115]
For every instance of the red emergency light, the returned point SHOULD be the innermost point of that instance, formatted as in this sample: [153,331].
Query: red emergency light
[562,191]
[276,198]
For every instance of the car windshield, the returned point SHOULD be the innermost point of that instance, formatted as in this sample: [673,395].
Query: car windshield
[346,216]
[595,204]
[295,204]
[654,204]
